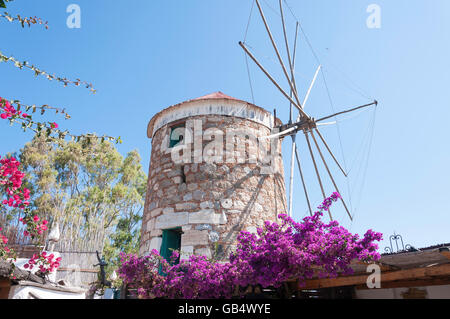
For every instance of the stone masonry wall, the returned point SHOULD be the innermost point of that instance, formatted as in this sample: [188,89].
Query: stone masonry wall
[212,202]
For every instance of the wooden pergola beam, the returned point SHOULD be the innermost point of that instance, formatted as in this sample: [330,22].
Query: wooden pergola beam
[446,254]
[411,283]
[404,275]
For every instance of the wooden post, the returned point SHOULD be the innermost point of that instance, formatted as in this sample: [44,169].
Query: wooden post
[303,181]
[291,177]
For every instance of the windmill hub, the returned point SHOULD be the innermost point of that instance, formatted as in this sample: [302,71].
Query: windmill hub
[305,125]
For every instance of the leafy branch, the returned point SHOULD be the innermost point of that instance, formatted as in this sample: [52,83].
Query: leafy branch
[2,3]
[26,20]
[48,129]
[42,109]
[50,77]
[51,131]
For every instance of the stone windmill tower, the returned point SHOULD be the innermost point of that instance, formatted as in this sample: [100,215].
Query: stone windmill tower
[212,174]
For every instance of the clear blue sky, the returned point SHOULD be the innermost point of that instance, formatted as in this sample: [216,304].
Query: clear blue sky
[143,56]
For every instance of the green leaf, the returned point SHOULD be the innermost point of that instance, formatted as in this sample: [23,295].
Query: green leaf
[2,4]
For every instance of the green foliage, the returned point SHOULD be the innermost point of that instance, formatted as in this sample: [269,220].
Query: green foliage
[37,72]
[126,235]
[2,3]
[92,192]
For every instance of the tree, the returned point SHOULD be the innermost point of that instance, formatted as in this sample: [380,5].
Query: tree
[88,189]
[14,195]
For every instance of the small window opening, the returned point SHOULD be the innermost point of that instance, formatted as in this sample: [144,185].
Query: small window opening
[177,132]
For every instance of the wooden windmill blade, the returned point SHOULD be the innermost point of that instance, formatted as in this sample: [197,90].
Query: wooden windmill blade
[278,53]
[304,122]
[291,113]
[310,88]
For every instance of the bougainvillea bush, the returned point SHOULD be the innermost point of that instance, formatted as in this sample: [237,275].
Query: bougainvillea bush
[13,194]
[276,254]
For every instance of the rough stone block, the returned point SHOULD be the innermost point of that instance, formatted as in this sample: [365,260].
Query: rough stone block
[226,203]
[150,224]
[205,205]
[168,210]
[207,216]
[199,195]
[155,243]
[186,206]
[156,212]
[192,186]
[194,237]
[186,252]
[172,220]
[203,252]
[203,227]
[156,233]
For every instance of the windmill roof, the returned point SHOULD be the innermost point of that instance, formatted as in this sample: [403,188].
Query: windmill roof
[215,95]
[209,97]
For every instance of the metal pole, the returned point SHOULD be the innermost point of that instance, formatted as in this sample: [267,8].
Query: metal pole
[273,81]
[278,53]
[317,171]
[303,181]
[329,173]
[331,153]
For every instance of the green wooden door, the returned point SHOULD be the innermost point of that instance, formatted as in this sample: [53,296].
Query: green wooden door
[171,240]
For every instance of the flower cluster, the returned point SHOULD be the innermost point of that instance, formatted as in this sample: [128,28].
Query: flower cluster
[45,263]
[8,111]
[35,226]
[5,251]
[11,179]
[273,256]
[17,196]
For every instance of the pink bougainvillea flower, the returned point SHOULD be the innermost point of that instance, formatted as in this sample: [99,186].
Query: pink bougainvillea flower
[275,255]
